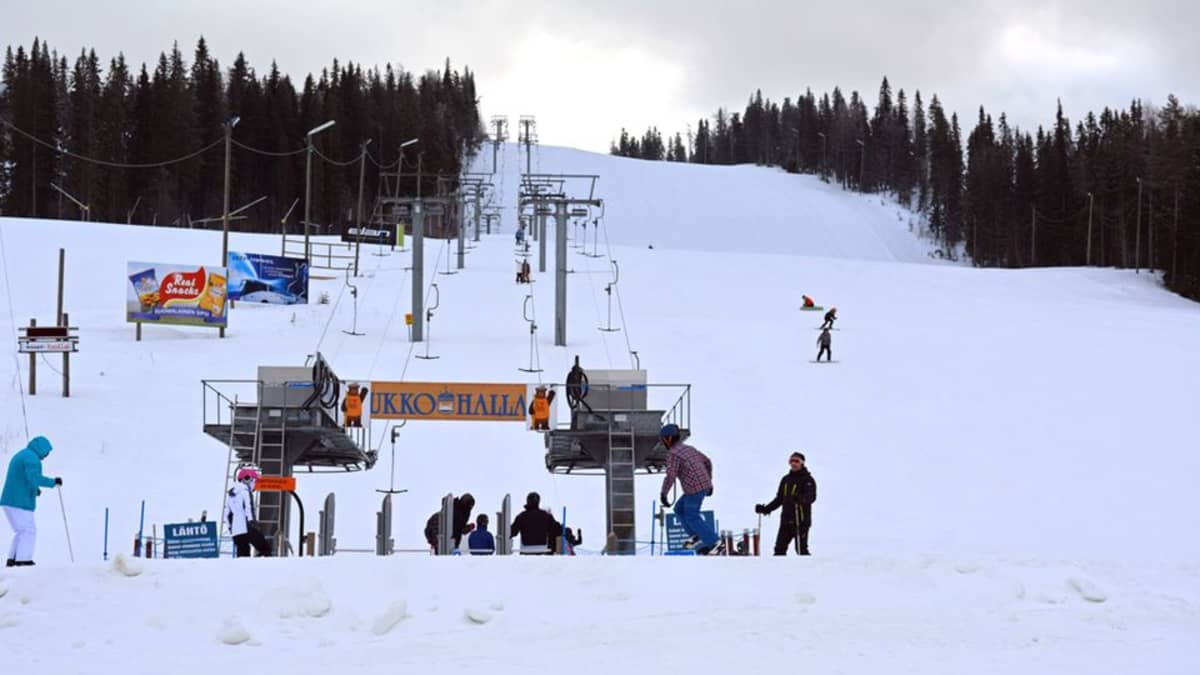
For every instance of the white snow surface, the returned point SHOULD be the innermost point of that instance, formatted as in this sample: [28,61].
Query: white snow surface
[1006,483]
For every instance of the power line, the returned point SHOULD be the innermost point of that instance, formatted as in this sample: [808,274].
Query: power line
[102,162]
[334,161]
[268,153]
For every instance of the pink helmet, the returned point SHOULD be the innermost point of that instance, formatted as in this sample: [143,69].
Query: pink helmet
[247,472]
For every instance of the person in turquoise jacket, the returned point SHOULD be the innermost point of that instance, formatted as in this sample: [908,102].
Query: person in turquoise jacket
[22,486]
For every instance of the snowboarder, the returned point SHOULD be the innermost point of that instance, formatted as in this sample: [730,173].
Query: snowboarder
[352,405]
[22,487]
[481,542]
[830,317]
[537,528]
[796,494]
[462,522]
[693,469]
[540,408]
[808,302]
[824,341]
[239,515]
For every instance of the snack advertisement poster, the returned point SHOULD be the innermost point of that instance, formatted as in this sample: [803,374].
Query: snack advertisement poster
[184,295]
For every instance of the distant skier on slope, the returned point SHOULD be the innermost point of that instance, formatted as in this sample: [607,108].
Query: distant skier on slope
[824,341]
[808,302]
[830,317]
[22,487]
[796,494]
[694,471]
[239,515]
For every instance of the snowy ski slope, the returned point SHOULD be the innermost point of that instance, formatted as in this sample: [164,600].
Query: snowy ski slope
[994,448]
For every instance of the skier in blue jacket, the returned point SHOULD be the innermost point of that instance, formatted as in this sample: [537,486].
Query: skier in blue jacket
[480,541]
[22,486]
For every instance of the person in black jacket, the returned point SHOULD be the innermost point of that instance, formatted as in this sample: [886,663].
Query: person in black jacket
[537,528]
[797,492]
[462,521]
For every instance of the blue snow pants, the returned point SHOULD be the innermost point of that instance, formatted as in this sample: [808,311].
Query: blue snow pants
[687,508]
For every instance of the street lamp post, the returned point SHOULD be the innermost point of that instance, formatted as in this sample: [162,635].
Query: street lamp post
[362,169]
[229,125]
[308,184]
[823,143]
[862,163]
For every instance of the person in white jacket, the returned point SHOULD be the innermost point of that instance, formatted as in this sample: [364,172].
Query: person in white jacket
[239,515]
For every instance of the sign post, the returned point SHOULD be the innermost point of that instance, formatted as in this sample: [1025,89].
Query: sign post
[35,340]
[190,540]
[676,535]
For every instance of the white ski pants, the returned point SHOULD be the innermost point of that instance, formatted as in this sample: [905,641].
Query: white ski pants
[24,533]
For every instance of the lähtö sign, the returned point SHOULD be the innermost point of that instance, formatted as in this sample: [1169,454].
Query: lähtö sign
[188,295]
[190,540]
[448,401]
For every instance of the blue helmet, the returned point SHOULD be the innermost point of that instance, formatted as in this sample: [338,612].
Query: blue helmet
[669,431]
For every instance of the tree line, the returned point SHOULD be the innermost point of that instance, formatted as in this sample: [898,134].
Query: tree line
[1118,189]
[54,113]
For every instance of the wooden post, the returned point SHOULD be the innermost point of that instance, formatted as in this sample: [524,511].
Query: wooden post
[61,264]
[32,366]
[1033,238]
[66,363]
[139,331]
[310,544]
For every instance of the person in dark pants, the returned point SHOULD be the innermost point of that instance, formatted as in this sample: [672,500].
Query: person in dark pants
[797,492]
[830,317]
[537,528]
[462,521]
[824,342]
[239,515]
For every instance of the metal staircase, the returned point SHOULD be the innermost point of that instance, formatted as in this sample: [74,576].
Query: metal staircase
[243,442]
[271,459]
[619,480]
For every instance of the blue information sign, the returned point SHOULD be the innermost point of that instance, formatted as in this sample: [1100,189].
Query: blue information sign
[190,540]
[676,535]
[254,277]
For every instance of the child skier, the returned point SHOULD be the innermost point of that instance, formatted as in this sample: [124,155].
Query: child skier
[824,342]
[830,317]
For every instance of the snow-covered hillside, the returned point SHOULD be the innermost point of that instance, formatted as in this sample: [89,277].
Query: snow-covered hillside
[987,437]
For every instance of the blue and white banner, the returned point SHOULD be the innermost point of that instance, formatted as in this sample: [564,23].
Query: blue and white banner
[254,277]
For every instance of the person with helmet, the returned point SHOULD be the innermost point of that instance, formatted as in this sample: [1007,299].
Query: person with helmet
[239,514]
[462,522]
[22,486]
[540,408]
[537,528]
[830,317]
[352,405]
[693,469]
[796,494]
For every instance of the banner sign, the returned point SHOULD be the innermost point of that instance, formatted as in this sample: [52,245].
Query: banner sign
[254,277]
[370,234]
[275,484]
[186,295]
[190,540]
[676,535]
[449,401]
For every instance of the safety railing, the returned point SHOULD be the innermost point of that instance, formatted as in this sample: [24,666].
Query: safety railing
[326,255]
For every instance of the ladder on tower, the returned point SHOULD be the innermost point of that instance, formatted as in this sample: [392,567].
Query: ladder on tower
[243,442]
[619,481]
[271,460]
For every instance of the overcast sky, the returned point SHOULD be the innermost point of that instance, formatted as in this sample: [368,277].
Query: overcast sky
[586,68]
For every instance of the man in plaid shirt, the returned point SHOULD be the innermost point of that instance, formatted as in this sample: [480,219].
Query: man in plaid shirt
[694,471]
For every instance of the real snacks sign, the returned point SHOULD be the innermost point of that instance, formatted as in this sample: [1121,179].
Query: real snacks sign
[184,295]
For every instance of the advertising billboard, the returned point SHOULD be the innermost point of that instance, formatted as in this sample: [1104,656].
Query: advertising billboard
[270,279]
[460,401]
[185,295]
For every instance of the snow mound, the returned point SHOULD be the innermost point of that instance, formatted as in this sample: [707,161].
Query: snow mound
[478,616]
[805,598]
[394,614]
[232,632]
[126,566]
[311,602]
[1087,590]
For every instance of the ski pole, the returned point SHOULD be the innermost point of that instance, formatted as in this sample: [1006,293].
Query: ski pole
[62,507]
